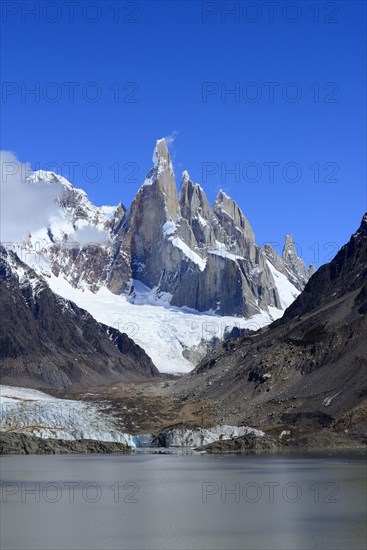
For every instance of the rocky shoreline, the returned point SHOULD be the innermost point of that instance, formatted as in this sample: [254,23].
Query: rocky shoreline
[13,443]
[288,441]
[274,442]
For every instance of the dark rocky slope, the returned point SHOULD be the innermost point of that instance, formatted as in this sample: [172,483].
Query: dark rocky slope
[307,369]
[46,341]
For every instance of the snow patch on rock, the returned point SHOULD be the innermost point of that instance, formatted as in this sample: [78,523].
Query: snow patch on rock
[169,228]
[287,292]
[190,254]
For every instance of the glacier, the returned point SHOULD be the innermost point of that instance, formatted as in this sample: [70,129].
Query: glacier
[36,413]
[162,330]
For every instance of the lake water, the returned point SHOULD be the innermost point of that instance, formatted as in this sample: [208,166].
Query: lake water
[187,502]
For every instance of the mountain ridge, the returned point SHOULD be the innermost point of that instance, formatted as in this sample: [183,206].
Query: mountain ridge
[169,239]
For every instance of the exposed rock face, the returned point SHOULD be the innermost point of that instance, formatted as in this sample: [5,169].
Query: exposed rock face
[78,241]
[81,265]
[155,204]
[231,220]
[47,341]
[118,219]
[204,258]
[309,367]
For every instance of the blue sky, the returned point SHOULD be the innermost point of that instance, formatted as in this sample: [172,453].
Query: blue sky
[157,69]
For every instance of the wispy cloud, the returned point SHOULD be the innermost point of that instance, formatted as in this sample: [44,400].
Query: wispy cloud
[171,138]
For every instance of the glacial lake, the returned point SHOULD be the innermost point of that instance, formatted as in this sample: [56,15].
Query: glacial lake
[141,501]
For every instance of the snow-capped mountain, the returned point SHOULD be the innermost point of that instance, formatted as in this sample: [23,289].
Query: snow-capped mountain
[199,257]
[170,250]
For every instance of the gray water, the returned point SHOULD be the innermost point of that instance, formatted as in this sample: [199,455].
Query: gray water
[187,502]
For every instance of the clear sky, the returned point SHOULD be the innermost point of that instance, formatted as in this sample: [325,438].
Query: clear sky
[109,78]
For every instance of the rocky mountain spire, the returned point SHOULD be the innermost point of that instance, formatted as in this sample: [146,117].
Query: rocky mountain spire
[155,204]
[231,216]
[292,261]
[162,176]
[311,270]
[195,209]
[193,200]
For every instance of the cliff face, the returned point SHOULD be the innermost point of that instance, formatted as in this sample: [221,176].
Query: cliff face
[46,341]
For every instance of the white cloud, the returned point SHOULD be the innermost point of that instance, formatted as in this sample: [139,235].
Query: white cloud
[25,207]
[88,235]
